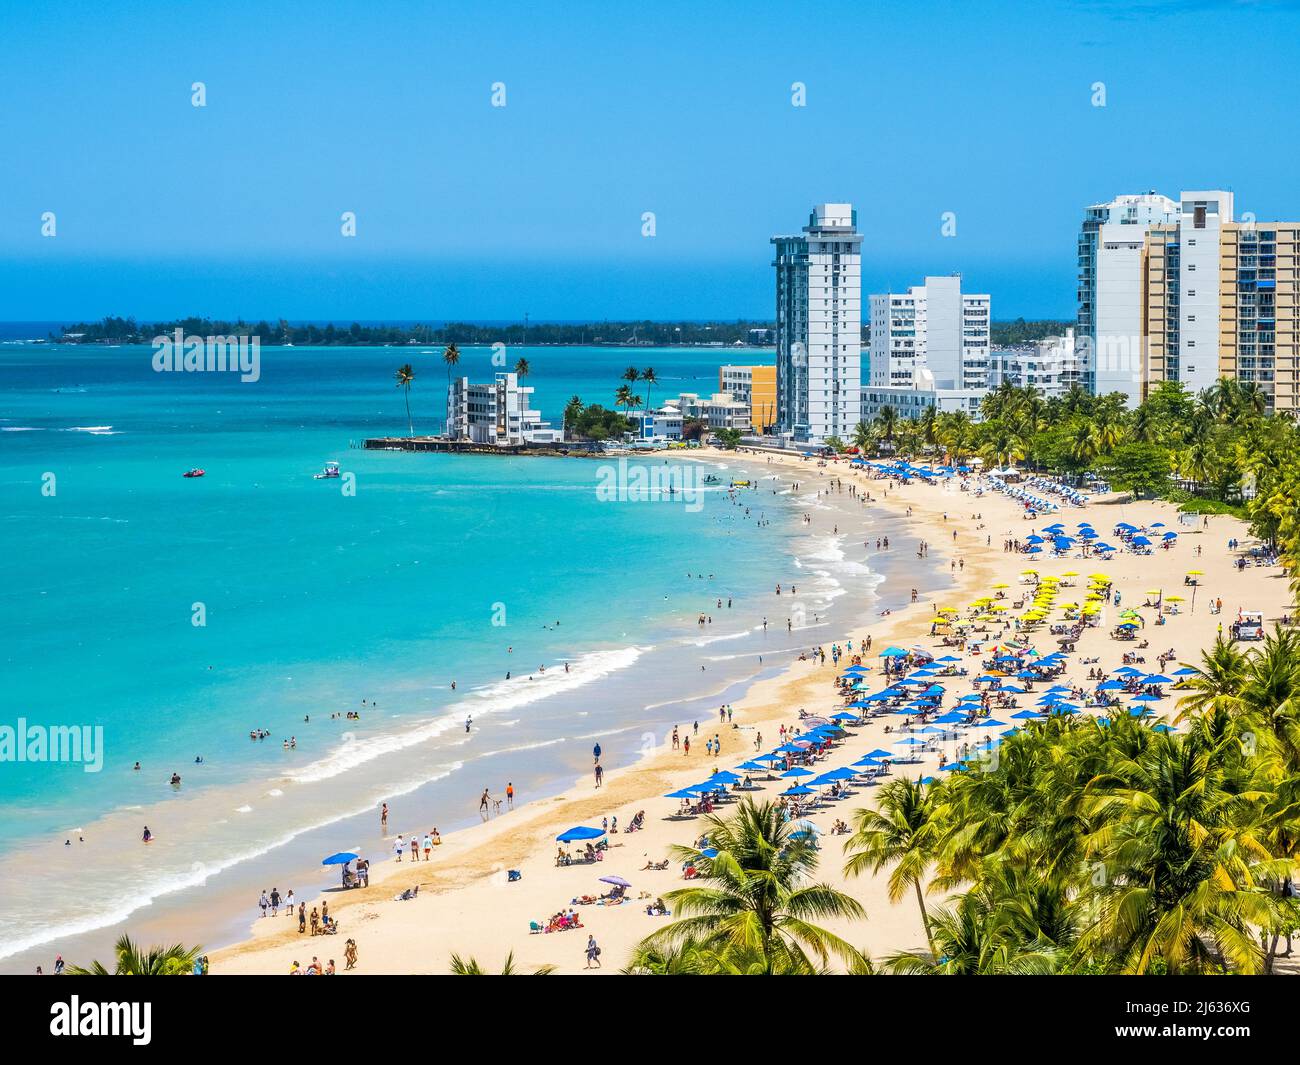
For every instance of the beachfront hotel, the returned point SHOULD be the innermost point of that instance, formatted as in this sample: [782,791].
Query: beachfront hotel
[1108,325]
[497,413]
[819,326]
[1183,291]
[754,386]
[929,347]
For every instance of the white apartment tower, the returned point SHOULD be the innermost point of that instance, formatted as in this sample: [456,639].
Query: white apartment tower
[819,326]
[932,336]
[1109,327]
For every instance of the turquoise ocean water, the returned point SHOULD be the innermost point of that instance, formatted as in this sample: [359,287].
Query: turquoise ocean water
[438,568]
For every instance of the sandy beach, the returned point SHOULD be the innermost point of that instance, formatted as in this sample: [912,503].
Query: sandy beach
[468,905]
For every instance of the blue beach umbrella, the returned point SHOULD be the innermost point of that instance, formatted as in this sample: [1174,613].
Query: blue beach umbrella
[798,771]
[684,793]
[341,858]
[581,832]
[1026,714]
[798,789]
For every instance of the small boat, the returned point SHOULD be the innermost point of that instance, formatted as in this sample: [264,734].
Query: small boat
[710,479]
[739,484]
[331,470]
[196,472]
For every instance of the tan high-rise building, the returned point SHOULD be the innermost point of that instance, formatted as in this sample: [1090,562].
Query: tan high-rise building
[1219,298]
[755,386]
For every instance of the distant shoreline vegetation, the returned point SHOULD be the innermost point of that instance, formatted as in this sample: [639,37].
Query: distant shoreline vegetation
[742,331]
[631,333]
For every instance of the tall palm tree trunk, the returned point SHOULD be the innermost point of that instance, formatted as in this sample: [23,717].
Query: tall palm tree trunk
[925,920]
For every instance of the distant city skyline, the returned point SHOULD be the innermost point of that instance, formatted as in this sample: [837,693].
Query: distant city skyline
[984,116]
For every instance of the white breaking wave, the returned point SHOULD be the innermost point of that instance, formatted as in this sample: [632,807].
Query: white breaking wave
[504,695]
[115,911]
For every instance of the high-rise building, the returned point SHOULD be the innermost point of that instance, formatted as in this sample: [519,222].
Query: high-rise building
[756,386]
[1109,327]
[935,327]
[818,326]
[929,346]
[1203,296]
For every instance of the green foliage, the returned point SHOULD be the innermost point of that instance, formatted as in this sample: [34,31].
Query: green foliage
[594,422]
[115,330]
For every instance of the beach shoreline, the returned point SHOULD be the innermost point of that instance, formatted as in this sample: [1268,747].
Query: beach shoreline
[215,910]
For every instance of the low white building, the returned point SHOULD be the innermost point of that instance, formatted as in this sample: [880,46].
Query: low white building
[722,410]
[913,402]
[496,413]
[1052,366]
[660,426]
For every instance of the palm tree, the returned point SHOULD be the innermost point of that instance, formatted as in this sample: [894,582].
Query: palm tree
[900,833]
[522,369]
[887,419]
[573,411]
[405,375]
[1216,683]
[623,397]
[451,356]
[471,967]
[1177,831]
[752,908]
[648,376]
[862,436]
[970,943]
[131,960]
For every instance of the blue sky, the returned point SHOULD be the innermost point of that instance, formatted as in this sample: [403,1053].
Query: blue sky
[613,109]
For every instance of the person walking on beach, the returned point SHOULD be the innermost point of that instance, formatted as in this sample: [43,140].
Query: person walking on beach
[600,774]
[275,902]
[264,902]
[676,739]
[483,810]
[383,819]
[399,846]
[302,918]
[686,743]
[510,795]
[593,952]
[596,752]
